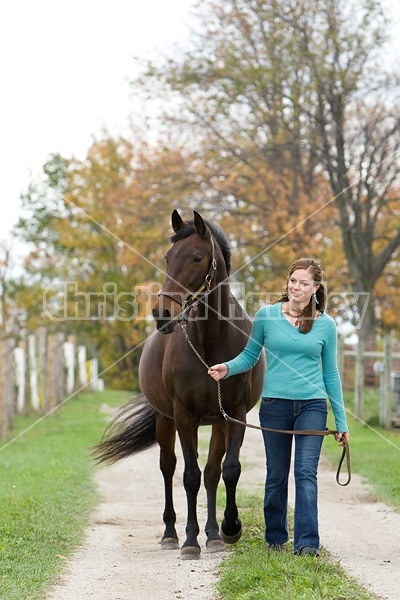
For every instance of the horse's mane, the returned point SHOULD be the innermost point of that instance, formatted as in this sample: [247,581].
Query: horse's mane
[218,234]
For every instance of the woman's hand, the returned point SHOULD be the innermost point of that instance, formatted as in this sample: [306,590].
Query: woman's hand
[218,372]
[342,437]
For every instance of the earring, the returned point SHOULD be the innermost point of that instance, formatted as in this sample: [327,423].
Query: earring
[315,298]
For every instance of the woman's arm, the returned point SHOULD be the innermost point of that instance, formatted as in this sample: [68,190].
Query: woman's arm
[331,377]
[249,355]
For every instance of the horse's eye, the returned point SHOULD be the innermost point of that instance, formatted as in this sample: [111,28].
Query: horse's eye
[197,259]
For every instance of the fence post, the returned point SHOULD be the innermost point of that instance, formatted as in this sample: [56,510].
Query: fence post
[54,370]
[93,373]
[20,375]
[82,370]
[33,372]
[69,359]
[41,349]
[7,387]
[385,412]
[359,380]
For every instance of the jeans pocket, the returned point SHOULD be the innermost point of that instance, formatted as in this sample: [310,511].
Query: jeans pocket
[268,401]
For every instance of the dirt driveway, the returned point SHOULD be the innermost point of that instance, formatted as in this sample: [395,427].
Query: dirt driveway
[121,557]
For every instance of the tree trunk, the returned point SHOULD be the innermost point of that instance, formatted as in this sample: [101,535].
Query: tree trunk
[366,320]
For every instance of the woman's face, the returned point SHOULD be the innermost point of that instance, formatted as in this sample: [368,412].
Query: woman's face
[301,286]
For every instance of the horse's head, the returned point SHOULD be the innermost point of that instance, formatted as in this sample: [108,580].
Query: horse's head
[191,268]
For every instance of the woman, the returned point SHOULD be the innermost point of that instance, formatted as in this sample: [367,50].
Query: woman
[300,341]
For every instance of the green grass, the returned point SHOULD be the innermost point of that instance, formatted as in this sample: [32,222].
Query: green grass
[47,492]
[253,573]
[375,453]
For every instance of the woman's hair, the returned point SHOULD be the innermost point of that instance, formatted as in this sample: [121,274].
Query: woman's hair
[317,301]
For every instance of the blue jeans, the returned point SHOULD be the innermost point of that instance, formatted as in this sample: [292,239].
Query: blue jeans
[278,413]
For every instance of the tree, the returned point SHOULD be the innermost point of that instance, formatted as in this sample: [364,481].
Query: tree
[5,301]
[98,231]
[359,134]
[296,89]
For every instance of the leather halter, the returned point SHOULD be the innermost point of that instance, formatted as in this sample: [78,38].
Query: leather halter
[204,288]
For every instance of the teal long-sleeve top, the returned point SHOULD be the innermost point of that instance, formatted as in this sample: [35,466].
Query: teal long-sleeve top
[300,366]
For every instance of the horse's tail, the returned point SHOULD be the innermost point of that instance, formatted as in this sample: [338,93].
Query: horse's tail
[132,430]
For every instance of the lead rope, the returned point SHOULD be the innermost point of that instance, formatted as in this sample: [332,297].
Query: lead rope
[346,448]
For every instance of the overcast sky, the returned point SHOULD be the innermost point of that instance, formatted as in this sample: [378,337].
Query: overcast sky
[64,69]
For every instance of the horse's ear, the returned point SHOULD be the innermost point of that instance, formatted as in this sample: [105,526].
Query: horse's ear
[176,221]
[199,224]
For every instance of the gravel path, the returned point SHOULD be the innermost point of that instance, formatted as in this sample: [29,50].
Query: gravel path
[121,557]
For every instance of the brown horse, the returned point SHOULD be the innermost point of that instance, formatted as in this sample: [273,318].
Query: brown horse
[198,323]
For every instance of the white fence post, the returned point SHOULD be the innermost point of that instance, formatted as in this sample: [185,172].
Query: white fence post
[33,372]
[69,360]
[41,352]
[20,375]
[82,369]
[93,373]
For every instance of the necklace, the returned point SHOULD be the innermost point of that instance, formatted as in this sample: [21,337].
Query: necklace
[289,314]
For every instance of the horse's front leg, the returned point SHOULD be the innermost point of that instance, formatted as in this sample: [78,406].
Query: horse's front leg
[191,482]
[166,433]
[231,528]
[212,475]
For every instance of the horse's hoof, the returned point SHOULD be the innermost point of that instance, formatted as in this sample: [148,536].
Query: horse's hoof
[169,543]
[231,538]
[216,545]
[190,552]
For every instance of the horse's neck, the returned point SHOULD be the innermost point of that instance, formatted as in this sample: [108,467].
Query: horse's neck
[215,311]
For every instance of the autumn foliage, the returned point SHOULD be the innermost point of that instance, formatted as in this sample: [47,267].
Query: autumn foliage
[274,125]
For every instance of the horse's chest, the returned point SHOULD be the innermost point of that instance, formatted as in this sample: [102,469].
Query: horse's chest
[179,371]
[184,374]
